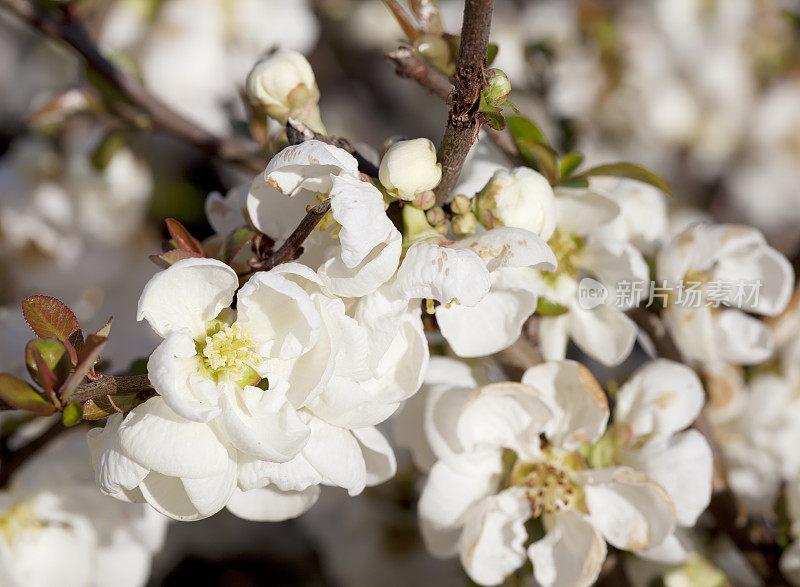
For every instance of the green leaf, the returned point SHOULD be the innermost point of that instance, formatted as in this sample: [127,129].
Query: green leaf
[627,171]
[547,308]
[19,394]
[105,330]
[575,182]
[542,156]
[86,360]
[523,128]
[495,120]
[50,318]
[72,414]
[53,354]
[570,163]
[182,238]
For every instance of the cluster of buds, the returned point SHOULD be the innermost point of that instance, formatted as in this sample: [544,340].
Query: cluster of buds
[464,222]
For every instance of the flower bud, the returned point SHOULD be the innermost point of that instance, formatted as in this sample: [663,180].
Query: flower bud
[461,204]
[464,224]
[410,167]
[498,86]
[283,85]
[522,198]
[425,200]
[435,216]
[441,228]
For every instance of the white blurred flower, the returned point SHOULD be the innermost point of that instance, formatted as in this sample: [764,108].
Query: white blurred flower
[521,198]
[730,255]
[492,474]
[409,168]
[54,527]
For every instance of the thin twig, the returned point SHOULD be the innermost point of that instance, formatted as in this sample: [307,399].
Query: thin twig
[292,247]
[160,116]
[106,385]
[297,132]
[409,65]
[464,120]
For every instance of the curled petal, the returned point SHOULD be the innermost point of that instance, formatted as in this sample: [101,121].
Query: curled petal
[187,295]
[269,504]
[507,246]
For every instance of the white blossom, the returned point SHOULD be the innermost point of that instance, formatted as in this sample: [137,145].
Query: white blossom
[409,168]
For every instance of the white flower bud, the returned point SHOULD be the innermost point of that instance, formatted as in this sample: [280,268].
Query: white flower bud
[283,85]
[435,216]
[522,198]
[461,204]
[410,167]
[425,200]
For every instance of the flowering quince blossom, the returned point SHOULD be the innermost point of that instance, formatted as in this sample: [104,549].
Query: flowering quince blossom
[492,474]
[728,254]
[651,412]
[357,248]
[213,438]
[603,331]
[53,522]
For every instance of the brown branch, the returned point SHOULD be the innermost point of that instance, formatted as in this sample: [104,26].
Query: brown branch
[292,247]
[71,31]
[10,461]
[409,65]
[297,132]
[464,120]
[106,385]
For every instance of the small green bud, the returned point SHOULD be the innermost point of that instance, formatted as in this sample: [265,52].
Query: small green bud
[499,87]
[461,204]
[425,200]
[435,216]
[464,224]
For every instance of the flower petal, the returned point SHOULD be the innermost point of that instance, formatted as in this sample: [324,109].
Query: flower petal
[442,273]
[336,454]
[263,424]
[580,403]
[661,398]
[157,438]
[173,371]
[114,471]
[270,504]
[633,512]
[604,333]
[492,544]
[571,553]
[510,247]
[582,211]
[381,464]
[187,295]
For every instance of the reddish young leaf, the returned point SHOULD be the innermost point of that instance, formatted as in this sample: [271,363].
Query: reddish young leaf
[86,360]
[164,260]
[105,330]
[54,354]
[182,238]
[102,407]
[50,318]
[19,394]
[47,379]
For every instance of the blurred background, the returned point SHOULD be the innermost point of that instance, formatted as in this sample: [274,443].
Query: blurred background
[706,93]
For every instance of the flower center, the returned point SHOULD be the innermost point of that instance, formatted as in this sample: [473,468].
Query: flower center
[566,248]
[228,350]
[550,483]
[18,518]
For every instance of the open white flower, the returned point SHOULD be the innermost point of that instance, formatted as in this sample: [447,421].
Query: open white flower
[601,330]
[52,522]
[409,168]
[653,408]
[357,248]
[493,474]
[737,272]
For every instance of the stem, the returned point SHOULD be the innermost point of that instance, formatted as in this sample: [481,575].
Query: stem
[408,65]
[464,120]
[106,385]
[290,249]
[72,32]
